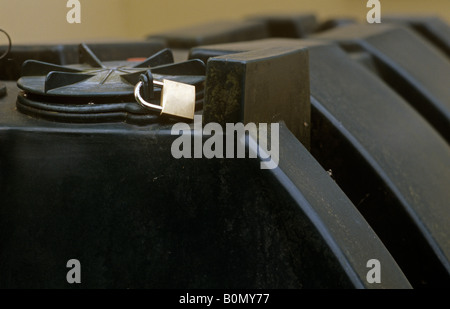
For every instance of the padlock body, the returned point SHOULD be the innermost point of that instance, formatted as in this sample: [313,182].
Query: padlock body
[178,99]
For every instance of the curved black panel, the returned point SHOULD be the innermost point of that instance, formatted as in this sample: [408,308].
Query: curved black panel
[396,146]
[378,148]
[112,196]
[408,63]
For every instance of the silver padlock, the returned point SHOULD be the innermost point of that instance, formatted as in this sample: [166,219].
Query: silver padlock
[178,99]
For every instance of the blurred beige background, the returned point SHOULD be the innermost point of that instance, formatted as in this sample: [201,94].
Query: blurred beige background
[44,21]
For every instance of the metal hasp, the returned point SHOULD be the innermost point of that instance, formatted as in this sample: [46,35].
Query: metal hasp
[288,26]
[96,91]
[213,33]
[260,86]
[412,66]
[378,148]
[90,192]
[434,29]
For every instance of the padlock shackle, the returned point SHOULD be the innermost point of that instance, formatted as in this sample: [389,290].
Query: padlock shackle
[141,101]
[158,83]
